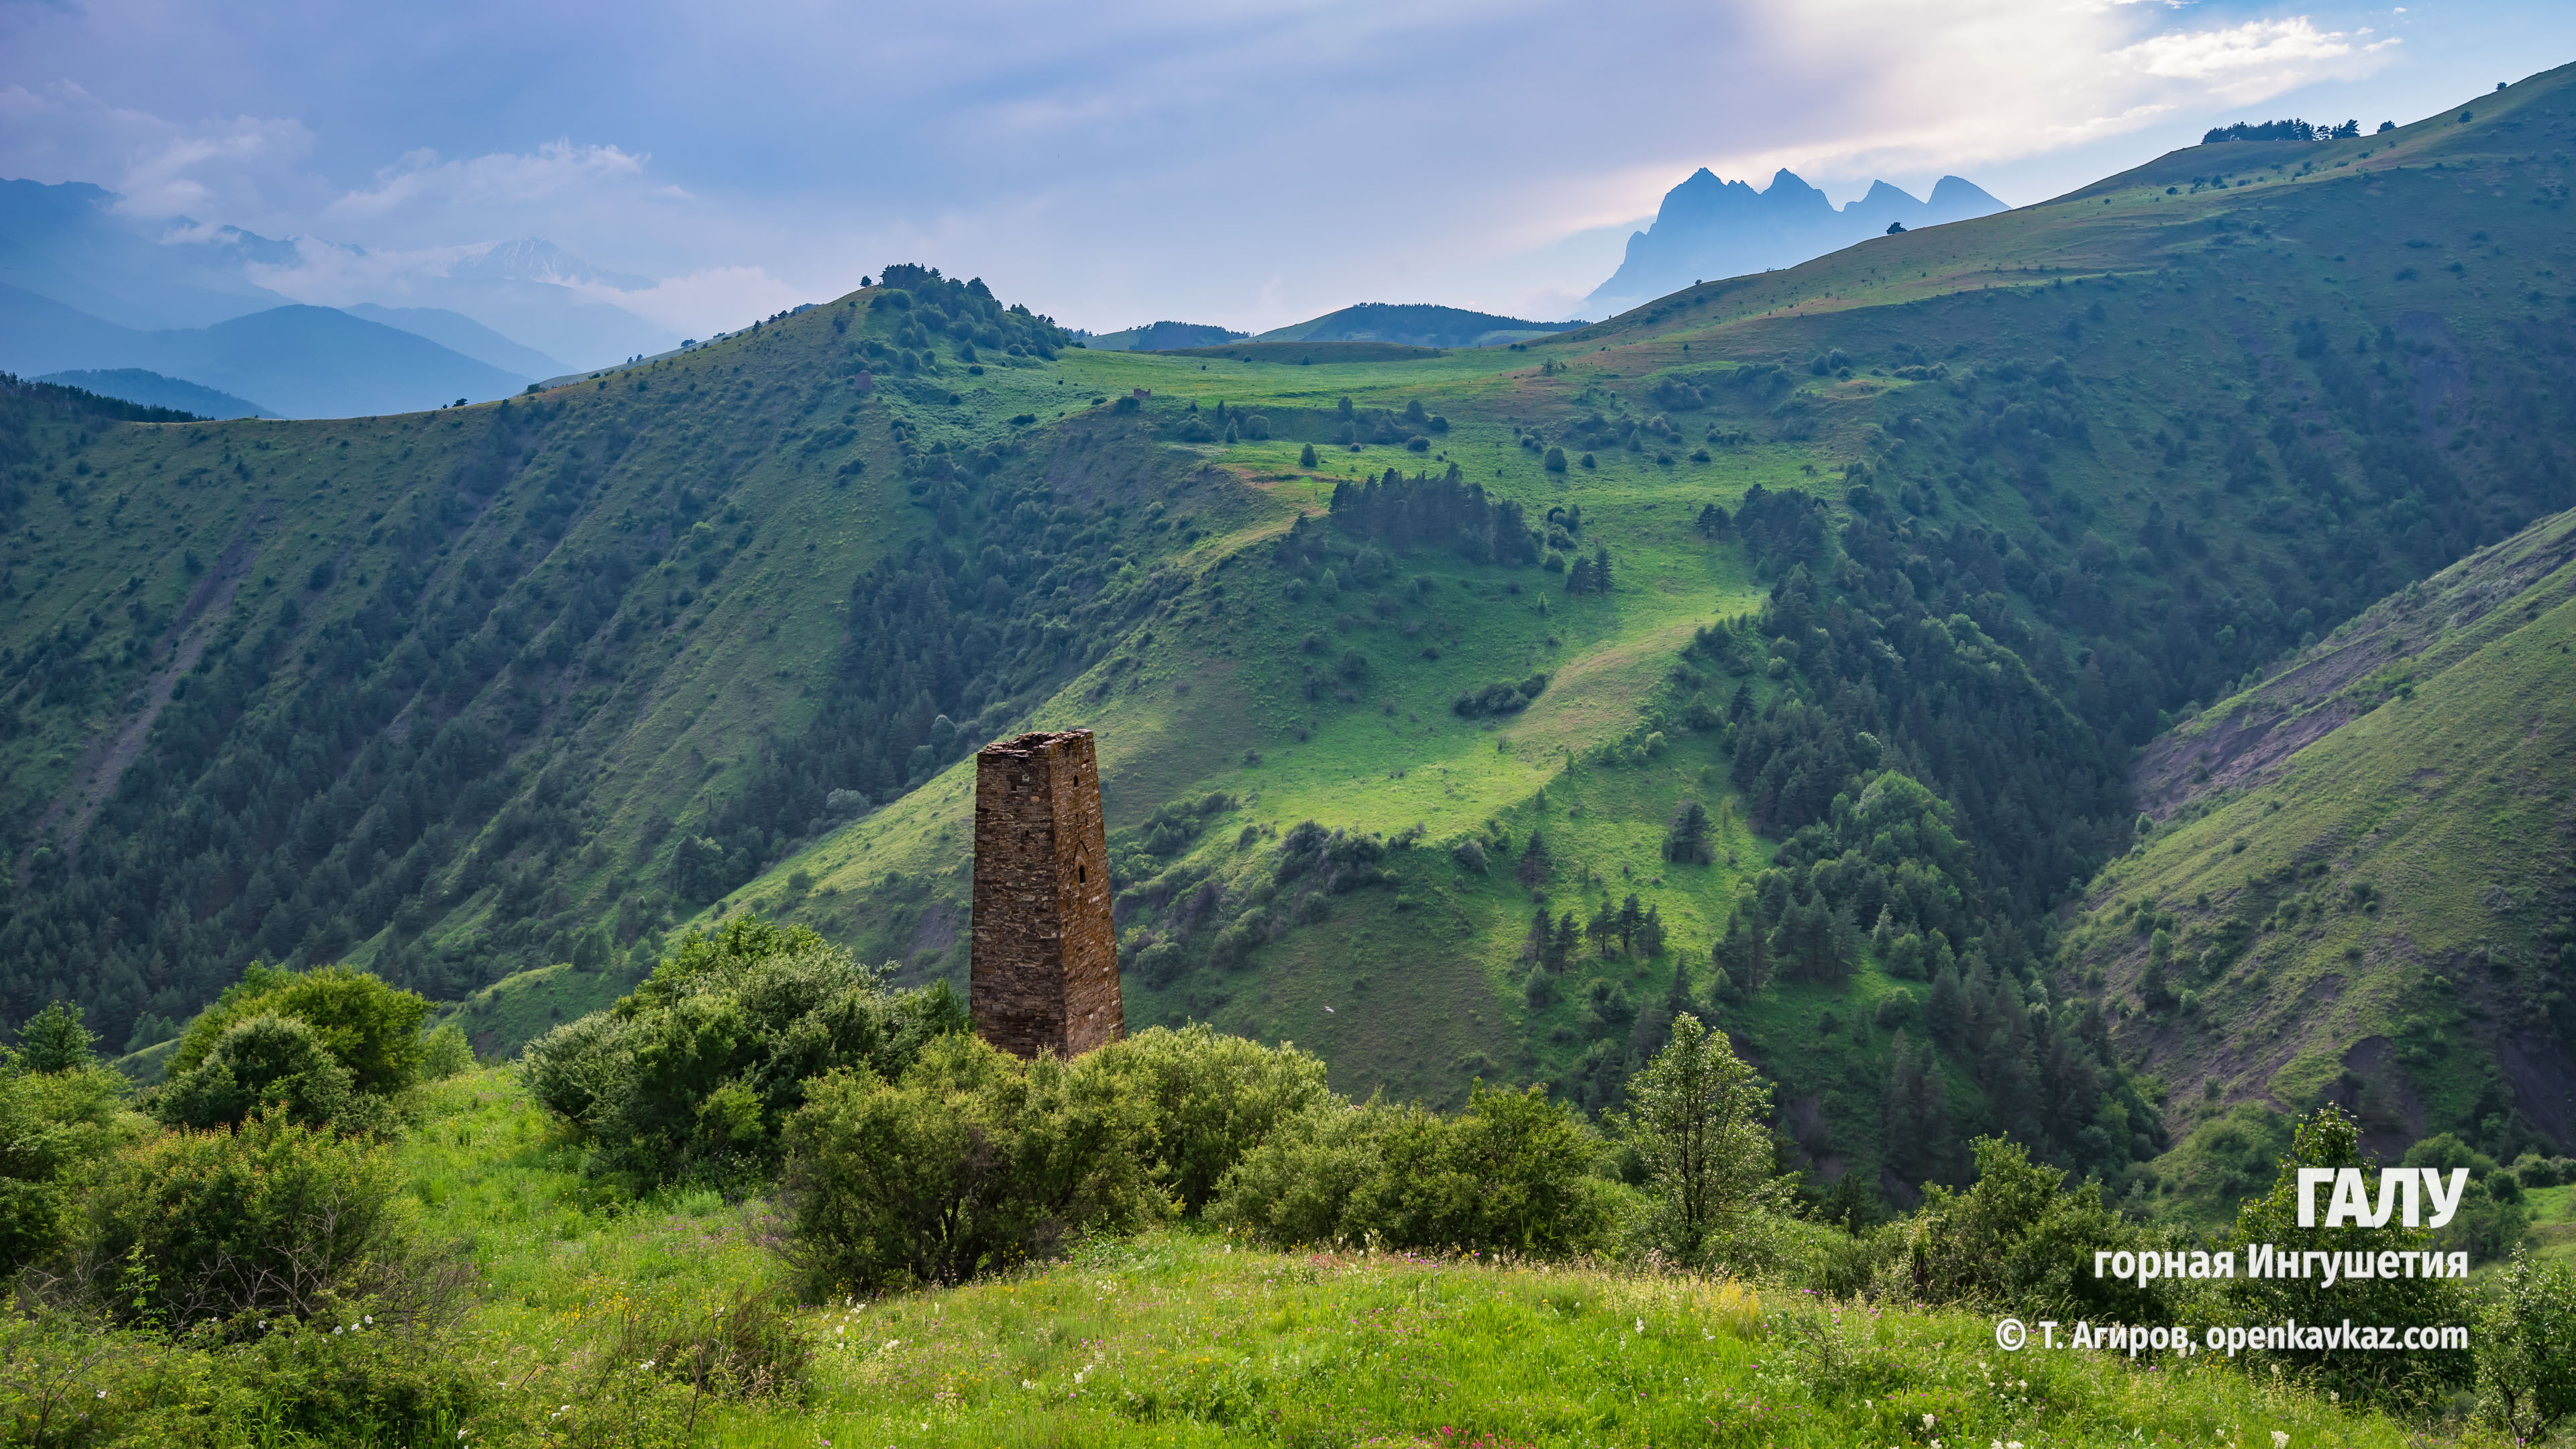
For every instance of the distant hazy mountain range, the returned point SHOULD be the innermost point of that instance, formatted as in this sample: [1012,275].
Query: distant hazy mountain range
[135,385]
[1707,229]
[82,289]
[303,362]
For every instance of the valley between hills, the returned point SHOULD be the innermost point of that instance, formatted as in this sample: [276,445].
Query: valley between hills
[2108,645]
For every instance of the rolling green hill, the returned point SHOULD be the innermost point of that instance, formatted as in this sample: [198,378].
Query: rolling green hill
[1982,509]
[1414,325]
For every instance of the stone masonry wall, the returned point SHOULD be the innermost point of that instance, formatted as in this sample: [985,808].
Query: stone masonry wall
[1044,960]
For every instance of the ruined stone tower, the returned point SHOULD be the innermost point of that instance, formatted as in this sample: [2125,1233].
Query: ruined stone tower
[1044,965]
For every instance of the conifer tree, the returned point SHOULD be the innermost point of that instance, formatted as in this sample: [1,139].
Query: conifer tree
[1743,955]
[1650,932]
[1945,1012]
[1561,947]
[1687,841]
[53,1040]
[1535,865]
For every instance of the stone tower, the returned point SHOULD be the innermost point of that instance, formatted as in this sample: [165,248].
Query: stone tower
[1044,972]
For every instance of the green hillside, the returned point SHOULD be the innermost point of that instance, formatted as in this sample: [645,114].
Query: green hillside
[1162,337]
[2356,889]
[524,687]
[1414,325]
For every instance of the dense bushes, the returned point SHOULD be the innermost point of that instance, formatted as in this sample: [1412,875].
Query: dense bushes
[275,1220]
[1212,1098]
[2330,1139]
[330,1045]
[51,1124]
[1512,1172]
[2021,1238]
[1502,697]
[972,1160]
[371,1029]
[696,1072]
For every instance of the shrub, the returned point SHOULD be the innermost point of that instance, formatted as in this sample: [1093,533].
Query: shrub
[70,1381]
[444,1053]
[276,1220]
[2330,1138]
[1505,697]
[2020,1236]
[367,1026]
[1508,1174]
[265,1061]
[2527,1350]
[1213,1099]
[697,1071]
[971,1161]
[51,1123]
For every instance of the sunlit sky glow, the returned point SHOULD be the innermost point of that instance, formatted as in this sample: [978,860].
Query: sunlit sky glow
[1114,163]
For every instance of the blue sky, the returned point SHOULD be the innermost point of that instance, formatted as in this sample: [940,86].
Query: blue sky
[1127,160]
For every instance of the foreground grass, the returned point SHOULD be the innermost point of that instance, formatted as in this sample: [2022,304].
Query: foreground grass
[1184,1339]
[1182,1336]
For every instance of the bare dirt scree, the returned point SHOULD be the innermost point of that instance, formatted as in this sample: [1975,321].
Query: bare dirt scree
[1044,972]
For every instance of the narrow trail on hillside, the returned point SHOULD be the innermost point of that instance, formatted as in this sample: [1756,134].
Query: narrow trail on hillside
[109,756]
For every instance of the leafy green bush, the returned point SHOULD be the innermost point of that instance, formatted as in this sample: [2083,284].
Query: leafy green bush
[276,1220]
[1213,1099]
[444,1053]
[368,1027]
[972,1160]
[272,1061]
[2021,1239]
[51,1123]
[697,1072]
[2330,1138]
[2526,1350]
[69,1381]
[1511,1173]
[2492,1218]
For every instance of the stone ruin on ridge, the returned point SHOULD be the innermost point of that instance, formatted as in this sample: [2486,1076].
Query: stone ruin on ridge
[1044,959]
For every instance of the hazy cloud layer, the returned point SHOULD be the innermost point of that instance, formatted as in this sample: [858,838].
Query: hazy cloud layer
[1248,164]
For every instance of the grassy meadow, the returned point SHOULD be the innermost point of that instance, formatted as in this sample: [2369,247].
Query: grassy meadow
[1183,1336]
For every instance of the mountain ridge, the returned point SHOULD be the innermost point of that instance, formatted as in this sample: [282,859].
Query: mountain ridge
[1707,229]
[302,361]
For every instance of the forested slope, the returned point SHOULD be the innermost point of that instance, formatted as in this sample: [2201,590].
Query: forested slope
[1804,624]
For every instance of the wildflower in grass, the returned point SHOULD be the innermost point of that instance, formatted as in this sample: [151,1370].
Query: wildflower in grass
[2280,1440]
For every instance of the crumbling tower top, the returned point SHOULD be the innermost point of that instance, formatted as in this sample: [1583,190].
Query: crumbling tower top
[1044,961]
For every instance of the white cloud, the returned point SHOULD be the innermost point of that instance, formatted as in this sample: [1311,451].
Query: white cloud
[239,168]
[710,300]
[553,173]
[2256,60]
[332,274]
